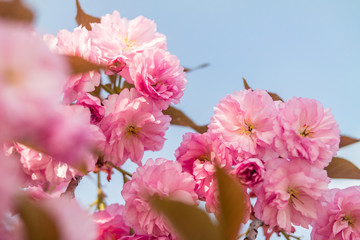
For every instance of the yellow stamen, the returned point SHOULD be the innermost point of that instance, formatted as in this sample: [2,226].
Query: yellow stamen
[132,130]
[294,194]
[129,43]
[305,131]
[203,158]
[349,219]
[247,128]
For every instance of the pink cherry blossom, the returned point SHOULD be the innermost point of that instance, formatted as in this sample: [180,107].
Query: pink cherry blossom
[198,154]
[41,169]
[249,171]
[307,131]
[340,216]
[94,104]
[111,223]
[116,37]
[132,125]
[245,121]
[158,75]
[76,43]
[162,178]
[290,193]
[28,99]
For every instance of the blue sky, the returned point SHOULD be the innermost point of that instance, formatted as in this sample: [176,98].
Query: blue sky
[307,48]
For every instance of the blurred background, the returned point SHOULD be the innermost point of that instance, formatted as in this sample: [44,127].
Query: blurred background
[294,48]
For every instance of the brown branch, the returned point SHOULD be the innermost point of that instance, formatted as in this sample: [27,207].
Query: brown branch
[70,190]
[253,232]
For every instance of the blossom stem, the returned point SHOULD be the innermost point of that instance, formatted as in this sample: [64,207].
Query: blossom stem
[252,232]
[70,190]
[119,169]
[107,89]
[100,204]
[288,236]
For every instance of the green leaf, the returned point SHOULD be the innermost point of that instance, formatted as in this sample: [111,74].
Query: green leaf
[342,168]
[345,141]
[80,65]
[15,10]
[83,18]
[39,224]
[189,222]
[233,205]
[179,118]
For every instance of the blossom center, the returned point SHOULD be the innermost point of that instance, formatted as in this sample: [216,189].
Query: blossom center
[294,194]
[132,130]
[128,43]
[12,77]
[204,158]
[349,219]
[247,128]
[305,131]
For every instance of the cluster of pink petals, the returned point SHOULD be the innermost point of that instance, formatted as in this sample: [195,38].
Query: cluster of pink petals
[158,75]
[131,125]
[290,193]
[339,218]
[244,121]
[198,154]
[307,131]
[41,169]
[111,223]
[76,43]
[94,104]
[249,171]
[162,178]
[117,39]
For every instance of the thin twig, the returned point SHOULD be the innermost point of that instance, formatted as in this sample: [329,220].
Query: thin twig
[70,190]
[253,232]
[119,169]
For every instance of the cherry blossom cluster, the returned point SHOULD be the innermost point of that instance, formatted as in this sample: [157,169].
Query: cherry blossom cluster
[57,126]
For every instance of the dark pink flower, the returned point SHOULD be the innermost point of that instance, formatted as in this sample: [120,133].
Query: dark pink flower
[163,178]
[94,104]
[249,171]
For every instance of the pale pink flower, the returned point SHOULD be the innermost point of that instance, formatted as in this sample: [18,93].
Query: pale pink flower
[198,154]
[116,37]
[306,130]
[158,75]
[76,43]
[132,125]
[249,171]
[41,169]
[31,79]
[290,193]
[340,216]
[164,179]
[72,139]
[111,223]
[245,121]
[94,104]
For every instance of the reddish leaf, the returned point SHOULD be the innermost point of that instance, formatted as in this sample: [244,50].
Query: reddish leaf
[232,204]
[246,85]
[204,65]
[179,118]
[342,168]
[345,141]
[80,65]
[39,224]
[15,10]
[84,19]
[274,96]
[189,222]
